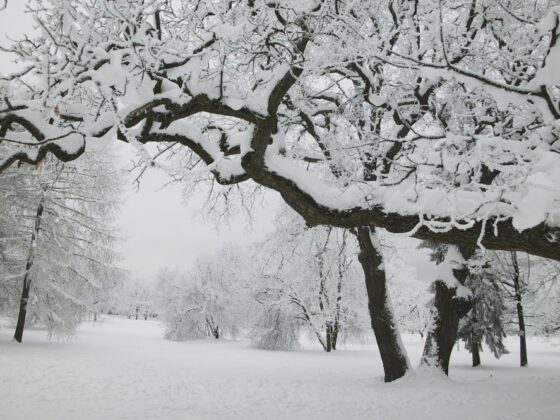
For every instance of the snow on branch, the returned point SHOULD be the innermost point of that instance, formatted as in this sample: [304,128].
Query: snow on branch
[439,119]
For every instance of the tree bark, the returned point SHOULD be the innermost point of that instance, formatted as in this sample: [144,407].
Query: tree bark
[383,323]
[523,361]
[212,328]
[18,335]
[328,339]
[334,336]
[475,351]
[448,310]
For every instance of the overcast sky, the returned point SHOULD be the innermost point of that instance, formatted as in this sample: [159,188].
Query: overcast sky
[161,230]
[158,229]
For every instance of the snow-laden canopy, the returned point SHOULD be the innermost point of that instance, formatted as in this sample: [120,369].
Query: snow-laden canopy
[435,118]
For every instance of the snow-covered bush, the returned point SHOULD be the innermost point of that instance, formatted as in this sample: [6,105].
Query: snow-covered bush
[276,329]
[207,301]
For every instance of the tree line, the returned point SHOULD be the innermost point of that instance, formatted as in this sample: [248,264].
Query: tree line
[307,282]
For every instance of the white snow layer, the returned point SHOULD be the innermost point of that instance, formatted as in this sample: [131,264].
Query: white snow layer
[124,369]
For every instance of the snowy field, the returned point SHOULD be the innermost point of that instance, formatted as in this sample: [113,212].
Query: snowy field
[124,369]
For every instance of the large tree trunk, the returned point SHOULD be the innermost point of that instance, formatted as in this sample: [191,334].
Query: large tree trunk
[18,335]
[393,353]
[448,310]
[520,317]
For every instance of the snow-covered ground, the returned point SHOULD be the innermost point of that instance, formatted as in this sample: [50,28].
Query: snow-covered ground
[124,369]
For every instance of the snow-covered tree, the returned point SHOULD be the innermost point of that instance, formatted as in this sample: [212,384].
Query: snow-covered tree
[485,321]
[206,301]
[434,117]
[60,249]
[133,297]
[409,294]
[12,185]
[547,299]
[513,279]
[310,275]
[277,328]
[530,285]
[211,75]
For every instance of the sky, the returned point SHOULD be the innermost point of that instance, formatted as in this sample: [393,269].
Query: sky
[157,227]
[162,230]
